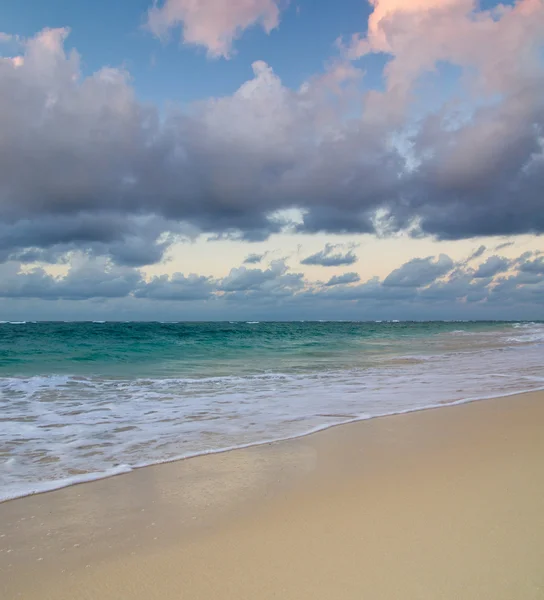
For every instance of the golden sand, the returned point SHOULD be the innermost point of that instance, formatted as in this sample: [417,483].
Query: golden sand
[439,504]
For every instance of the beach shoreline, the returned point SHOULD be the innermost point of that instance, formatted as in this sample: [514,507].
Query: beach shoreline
[402,504]
[56,485]
[73,414]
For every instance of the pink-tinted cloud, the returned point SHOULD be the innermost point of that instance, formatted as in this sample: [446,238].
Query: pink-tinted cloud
[12,40]
[15,61]
[387,9]
[497,47]
[214,24]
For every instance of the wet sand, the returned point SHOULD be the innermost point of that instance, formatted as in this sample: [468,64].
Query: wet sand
[440,504]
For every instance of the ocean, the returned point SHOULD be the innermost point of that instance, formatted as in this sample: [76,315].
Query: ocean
[81,401]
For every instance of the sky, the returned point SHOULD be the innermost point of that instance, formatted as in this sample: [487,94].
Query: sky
[271,159]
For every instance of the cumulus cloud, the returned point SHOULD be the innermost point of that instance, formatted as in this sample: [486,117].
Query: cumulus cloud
[461,286]
[492,266]
[88,167]
[177,287]
[533,266]
[214,24]
[82,282]
[421,288]
[331,256]
[480,157]
[242,279]
[343,279]
[419,271]
[421,33]
[86,164]
[127,239]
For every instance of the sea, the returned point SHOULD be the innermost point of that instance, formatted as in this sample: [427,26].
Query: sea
[86,400]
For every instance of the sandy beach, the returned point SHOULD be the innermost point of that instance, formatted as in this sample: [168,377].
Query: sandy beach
[438,504]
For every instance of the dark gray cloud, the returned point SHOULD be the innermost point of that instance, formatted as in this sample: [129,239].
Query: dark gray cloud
[283,289]
[331,256]
[421,289]
[269,280]
[81,283]
[419,272]
[55,255]
[522,288]
[477,253]
[128,240]
[253,259]
[86,166]
[460,285]
[503,246]
[487,173]
[343,279]
[493,265]
[177,287]
[528,278]
[533,266]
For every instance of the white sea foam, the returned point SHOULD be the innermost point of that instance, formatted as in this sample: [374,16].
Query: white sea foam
[61,430]
[527,333]
[29,489]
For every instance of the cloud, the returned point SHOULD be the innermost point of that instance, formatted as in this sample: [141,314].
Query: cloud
[94,168]
[492,266]
[87,167]
[177,287]
[419,272]
[127,239]
[533,266]
[460,286]
[481,152]
[331,256]
[213,24]
[252,259]
[82,282]
[419,289]
[343,279]
[455,31]
[477,253]
[243,279]
[503,246]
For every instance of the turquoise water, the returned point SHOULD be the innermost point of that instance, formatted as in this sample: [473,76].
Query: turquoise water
[80,401]
[206,349]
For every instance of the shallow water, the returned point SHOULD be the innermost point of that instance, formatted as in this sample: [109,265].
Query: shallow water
[84,400]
